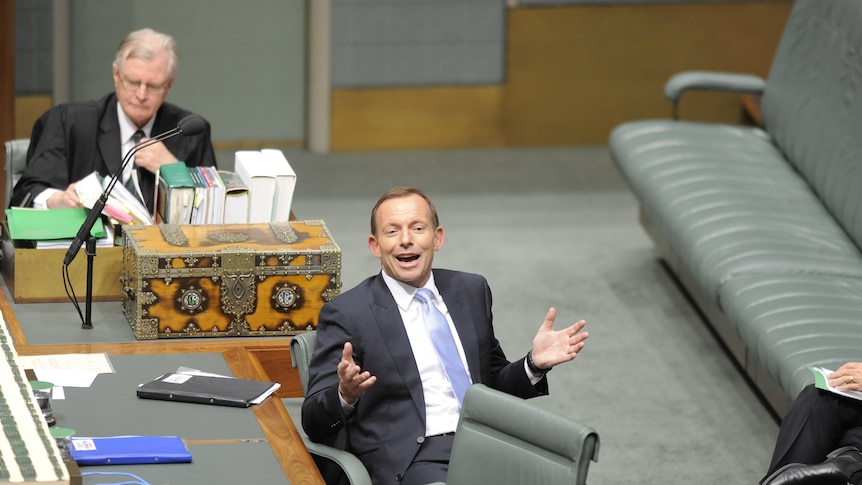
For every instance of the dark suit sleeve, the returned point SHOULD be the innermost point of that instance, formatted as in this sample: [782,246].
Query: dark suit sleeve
[47,156]
[322,414]
[196,150]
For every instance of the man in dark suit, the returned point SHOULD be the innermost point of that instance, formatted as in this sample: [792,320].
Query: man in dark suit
[72,140]
[820,438]
[376,371]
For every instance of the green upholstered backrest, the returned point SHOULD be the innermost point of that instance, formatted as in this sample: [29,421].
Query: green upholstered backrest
[301,347]
[812,103]
[16,162]
[502,439]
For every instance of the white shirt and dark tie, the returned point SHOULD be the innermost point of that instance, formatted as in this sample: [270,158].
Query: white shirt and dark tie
[131,135]
[442,406]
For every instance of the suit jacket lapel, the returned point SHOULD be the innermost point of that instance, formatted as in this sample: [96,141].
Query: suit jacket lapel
[388,319]
[110,147]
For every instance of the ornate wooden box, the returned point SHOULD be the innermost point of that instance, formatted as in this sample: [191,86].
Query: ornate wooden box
[233,280]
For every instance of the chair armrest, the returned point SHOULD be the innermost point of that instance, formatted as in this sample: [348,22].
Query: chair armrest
[589,440]
[355,471]
[711,81]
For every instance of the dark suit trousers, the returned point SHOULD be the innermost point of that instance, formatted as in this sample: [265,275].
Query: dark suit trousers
[817,423]
[431,462]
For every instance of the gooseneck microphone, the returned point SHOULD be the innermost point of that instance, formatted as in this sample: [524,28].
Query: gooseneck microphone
[189,126]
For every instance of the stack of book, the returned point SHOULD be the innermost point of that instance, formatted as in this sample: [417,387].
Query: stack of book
[260,190]
[271,182]
[190,195]
[209,196]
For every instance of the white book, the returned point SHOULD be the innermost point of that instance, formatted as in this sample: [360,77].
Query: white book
[285,182]
[122,205]
[250,167]
[235,198]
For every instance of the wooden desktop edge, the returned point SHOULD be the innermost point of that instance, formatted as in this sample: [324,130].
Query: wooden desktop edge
[243,357]
[276,423]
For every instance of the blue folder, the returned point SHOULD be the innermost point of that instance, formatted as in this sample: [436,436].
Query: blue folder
[129,450]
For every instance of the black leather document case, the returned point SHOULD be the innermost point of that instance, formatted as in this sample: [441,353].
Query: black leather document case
[221,391]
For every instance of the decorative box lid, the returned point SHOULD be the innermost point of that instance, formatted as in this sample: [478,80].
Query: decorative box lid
[286,236]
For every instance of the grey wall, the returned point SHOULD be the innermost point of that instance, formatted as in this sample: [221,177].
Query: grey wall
[552,3]
[33,38]
[417,42]
[242,64]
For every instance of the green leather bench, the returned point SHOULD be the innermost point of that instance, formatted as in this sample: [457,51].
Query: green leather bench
[763,225]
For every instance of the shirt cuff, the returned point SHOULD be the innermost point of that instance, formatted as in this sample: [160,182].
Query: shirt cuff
[41,200]
[345,407]
[533,379]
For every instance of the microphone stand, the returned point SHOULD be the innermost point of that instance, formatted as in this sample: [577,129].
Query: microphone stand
[91,253]
[95,213]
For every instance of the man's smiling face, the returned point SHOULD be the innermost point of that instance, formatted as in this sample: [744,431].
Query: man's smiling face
[406,239]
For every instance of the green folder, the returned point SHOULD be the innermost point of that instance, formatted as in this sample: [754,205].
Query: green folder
[48,224]
[819,379]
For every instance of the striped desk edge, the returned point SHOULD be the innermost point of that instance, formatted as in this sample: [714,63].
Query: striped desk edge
[28,453]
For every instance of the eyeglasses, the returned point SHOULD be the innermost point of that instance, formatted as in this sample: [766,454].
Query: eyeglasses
[134,86]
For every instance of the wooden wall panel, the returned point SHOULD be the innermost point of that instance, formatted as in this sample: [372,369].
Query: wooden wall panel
[416,118]
[573,73]
[27,110]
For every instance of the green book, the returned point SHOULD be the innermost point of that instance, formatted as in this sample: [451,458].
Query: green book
[48,224]
[820,377]
[176,193]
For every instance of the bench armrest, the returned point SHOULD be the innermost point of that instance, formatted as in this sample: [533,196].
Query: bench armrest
[710,81]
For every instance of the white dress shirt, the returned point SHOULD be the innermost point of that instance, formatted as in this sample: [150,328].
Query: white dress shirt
[441,406]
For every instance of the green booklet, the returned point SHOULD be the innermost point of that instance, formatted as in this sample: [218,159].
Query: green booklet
[48,224]
[821,382]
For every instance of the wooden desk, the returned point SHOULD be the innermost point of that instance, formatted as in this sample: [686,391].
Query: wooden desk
[255,358]
[110,407]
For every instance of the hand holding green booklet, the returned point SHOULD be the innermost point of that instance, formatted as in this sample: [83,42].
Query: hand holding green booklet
[48,224]
[822,382]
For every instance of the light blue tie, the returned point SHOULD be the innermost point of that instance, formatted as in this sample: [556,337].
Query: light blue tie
[444,344]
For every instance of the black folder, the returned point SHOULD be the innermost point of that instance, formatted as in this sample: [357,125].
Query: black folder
[221,391]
